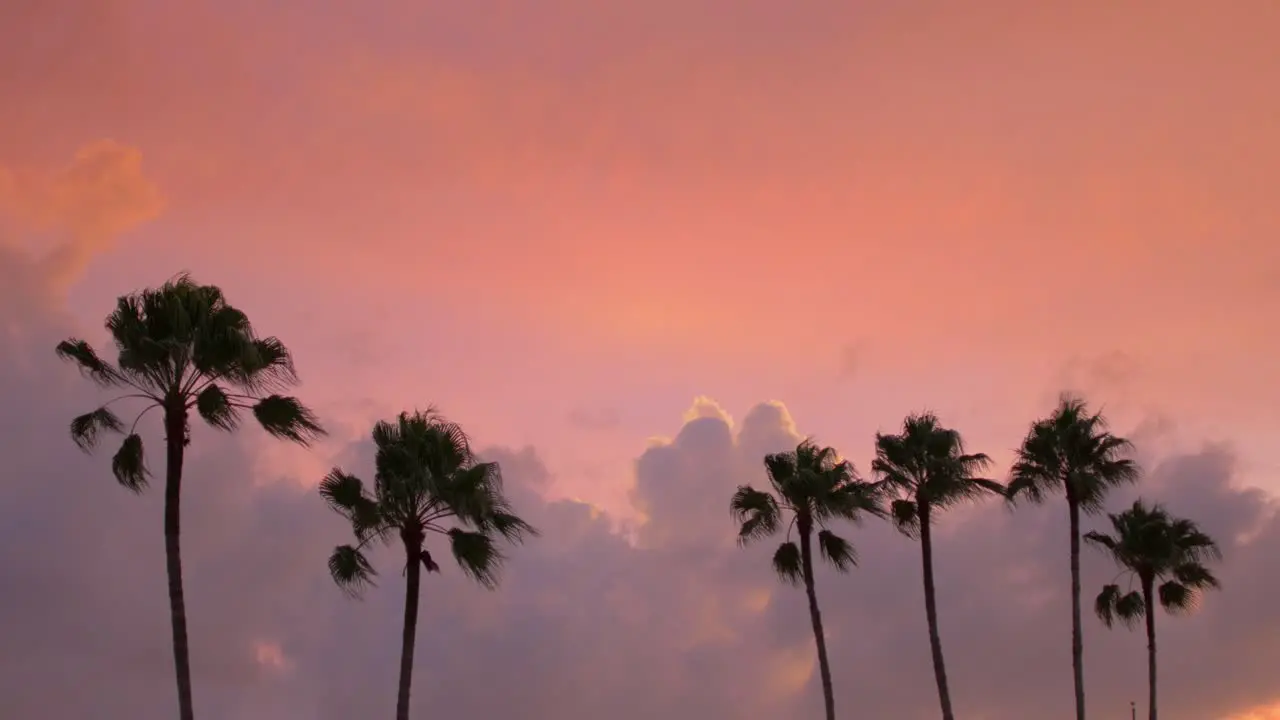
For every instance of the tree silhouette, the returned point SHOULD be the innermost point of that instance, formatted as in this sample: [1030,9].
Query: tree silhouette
[426,482]
[1071,451]
[927,467]
[813,486]
[1153,547]
[181,347]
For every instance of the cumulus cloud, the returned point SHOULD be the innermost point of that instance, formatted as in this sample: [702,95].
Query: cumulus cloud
[676,622]
[672,620]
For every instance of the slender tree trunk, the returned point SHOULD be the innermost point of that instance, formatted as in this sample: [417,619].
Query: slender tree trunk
[824,666]
[931,612]
[1077,633]
[1150,603]
[175,423]
[413,573]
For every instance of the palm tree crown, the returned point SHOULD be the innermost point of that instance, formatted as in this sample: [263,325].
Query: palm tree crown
[1151,546]
[814,486]
[426,481]
[927,466]
[1071,450]
[182,347]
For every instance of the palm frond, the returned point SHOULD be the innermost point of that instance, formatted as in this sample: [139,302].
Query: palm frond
[288,419]
[1130,608]
[216,408]
[510,526]
[351,570]
[846,497]
[477,555]
[266,366]
[86,359]
[1104,541]
[428,562]
[782,469]
[787,563]
[1105,604]
[906,517]
[1177,598]
[129,464]
[757,511]
[342,491]
[837,550]
[1195,576]
[86,429]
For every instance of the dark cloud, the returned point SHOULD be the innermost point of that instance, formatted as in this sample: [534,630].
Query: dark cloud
[678,623]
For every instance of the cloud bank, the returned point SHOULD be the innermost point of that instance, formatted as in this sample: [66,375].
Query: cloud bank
[674,621]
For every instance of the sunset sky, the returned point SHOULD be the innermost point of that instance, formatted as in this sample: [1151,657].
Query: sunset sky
[632,247]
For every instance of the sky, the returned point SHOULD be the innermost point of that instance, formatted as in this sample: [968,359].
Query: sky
[633,247]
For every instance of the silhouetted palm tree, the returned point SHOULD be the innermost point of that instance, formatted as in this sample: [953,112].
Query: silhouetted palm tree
[813,486]
[1071,451]
[426,482]
[181,347]
[1152,546]
[927,467]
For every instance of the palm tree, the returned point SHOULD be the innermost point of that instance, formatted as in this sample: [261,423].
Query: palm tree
[1154,547]
[814,486]
[926,465]
[1071,451]
[181,347]
[426,481]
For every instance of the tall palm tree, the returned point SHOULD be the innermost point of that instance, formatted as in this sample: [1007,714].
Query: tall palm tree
[813,486]
[1152,547]
[426,482]
[181,347]
[927,467]
[1072,452]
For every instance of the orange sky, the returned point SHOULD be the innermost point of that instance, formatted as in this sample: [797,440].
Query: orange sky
[562,224]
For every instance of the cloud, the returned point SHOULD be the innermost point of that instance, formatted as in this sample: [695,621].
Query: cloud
[678,623]
[78,210]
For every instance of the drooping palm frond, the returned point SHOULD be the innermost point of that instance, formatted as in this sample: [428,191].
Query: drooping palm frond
[786,562]
[1112,604]
[351,570]
[87,360]
[757,511]
[837,550]
[287,418]
[87,428]
[129,464]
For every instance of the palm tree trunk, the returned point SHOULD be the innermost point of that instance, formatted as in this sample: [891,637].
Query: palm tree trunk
[1150,606]
[1077,632]
[175,440]
[824,666]
[931,612]
[413,572]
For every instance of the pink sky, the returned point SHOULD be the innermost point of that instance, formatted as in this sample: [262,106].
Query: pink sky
[563,224]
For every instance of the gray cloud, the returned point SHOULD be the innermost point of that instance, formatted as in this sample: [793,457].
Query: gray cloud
[678,624]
